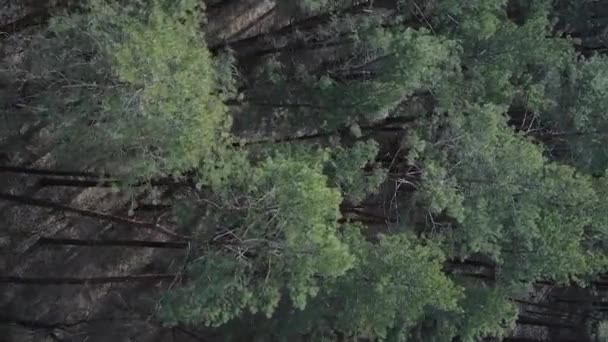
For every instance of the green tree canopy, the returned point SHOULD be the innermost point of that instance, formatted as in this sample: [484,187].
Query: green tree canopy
[473,178]
[273,234]
[140,83]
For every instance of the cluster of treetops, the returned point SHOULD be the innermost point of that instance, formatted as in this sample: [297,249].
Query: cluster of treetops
[471,131]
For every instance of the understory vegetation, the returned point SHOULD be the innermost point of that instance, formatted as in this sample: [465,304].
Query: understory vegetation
[416,167]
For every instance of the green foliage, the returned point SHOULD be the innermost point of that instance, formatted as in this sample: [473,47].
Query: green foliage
[277,236]
[132,89]
[510,64]
[346,170]
[140,83]
[488,312]
[387,66]
[396,273]
[394,282]
[579,113]
[412,59]
[479,18]
[485,168]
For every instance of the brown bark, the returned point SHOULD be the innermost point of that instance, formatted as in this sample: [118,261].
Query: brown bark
[106,183]
[50,172]
[361,213]
[543,323]
[88,179]
[112,243]
[286,139]
[85,212]
[84,281]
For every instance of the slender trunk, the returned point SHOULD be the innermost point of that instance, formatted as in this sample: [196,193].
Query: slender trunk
[113,243]
[362,213]
[370,221]
[153,207]
[54,178]
[539,305]
[50,172]
[108,183]
[297,46]
[287,139]
[77,183]
[544,323]
[275,104]
[84,281]
[85,212]
[563,316]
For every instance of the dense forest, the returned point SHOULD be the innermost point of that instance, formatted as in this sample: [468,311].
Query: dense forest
[312,170]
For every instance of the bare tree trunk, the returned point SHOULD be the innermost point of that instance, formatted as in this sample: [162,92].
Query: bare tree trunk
[107,183]
[85,281]
[90,179]
[113,243]
[85,212]
[544,323]
[50,172]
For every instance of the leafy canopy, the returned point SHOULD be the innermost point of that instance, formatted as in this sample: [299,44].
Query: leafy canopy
[277,236]
[141,83]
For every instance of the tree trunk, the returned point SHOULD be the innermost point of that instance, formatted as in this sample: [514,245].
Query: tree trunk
[293,47]
[92,180]
[107,183]
[361,213]
[287,139]
[85,212]
[544,323]
[47,172]
[113,243]
[85,281]
[274,104]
